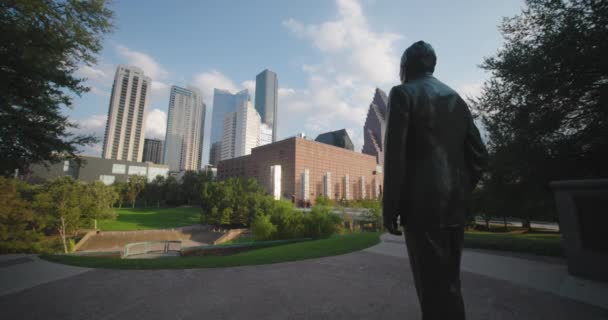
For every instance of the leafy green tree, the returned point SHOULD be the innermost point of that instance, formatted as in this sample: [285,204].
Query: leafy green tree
[373,214]
[97,200]
[60,202]
[544,106]
[135,186]
[120,189]
[16,219]
[262,228]
[288,220]
[321,222]
[153,192]
[43,44]
[226,217]
[172,191]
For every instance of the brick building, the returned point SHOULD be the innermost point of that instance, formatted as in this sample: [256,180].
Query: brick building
[307,169]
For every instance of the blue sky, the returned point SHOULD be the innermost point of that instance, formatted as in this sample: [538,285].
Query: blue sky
[329,55]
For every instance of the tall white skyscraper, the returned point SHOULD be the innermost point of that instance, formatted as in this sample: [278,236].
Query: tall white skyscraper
[185,130]
[223,102]
[266,89]
[124,135]
[241,132]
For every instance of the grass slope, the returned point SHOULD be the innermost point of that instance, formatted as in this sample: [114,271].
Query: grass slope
[544,244]
[151,218]
[289,252]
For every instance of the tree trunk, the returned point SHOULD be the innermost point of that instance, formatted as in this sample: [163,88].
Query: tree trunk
[158,204]
[525,223]
[133,204]
[62,234]
[488,223]
[504,218]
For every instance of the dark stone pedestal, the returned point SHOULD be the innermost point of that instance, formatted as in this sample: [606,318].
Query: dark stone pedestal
[582,206]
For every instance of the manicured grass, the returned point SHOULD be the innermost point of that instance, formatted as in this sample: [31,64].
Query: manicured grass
[289,252]
[544,244]
[151,218]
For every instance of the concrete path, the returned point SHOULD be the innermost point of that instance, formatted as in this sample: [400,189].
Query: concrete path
[546,274]
[22,271]
[372,284]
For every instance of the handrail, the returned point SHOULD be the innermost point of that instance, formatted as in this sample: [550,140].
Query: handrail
[149,246]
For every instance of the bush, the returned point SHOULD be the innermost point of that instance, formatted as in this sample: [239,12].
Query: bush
[288,220]
[262,228]
[321,222]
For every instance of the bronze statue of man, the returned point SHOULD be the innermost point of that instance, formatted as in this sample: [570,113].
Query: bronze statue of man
[434,157]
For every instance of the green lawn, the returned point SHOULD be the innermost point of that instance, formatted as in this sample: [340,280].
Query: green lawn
[544,244]
[151,218]
[289,252]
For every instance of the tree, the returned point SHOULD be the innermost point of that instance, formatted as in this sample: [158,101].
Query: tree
[97,200]
[262,228]
[545,105]
[16,219]
[120,189]
[135,186]
[154,190]
[373,214]
[60,202]
[172,191]
[43,45]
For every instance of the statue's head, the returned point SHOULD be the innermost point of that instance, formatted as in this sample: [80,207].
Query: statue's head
[417,60]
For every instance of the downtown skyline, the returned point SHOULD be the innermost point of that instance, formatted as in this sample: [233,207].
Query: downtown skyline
[330,58]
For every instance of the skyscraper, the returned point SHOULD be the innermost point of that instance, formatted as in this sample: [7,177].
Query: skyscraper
[375,125]
[223,102]
[185,129]
[124,135]
[266,88]
[153,151]
[338,138]
[265,134]
[241,132]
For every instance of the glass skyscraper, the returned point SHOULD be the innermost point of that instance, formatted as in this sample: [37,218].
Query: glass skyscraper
[223,102]
[185,129]
[266,88]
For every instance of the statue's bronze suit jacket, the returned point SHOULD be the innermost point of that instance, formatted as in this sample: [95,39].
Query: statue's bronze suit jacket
[434,155]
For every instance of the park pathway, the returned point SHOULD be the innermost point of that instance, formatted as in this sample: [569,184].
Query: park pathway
[375,283]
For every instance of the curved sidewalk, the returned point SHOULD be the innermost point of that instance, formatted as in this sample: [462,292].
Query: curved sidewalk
[372,284]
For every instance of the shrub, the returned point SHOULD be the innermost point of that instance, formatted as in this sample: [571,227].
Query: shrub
[321,222]
[262,228]
[288,220]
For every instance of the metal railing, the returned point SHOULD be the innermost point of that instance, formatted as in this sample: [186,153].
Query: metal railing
[162,247]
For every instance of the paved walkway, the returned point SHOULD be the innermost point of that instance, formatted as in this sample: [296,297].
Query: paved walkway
[372,284]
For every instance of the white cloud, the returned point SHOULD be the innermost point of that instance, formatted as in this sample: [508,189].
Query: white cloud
[207,81]
[249,85]
[99,92]
[94,125]
[350,43]
[285,92]
[91,73]
[156,124]
[470,90]
[339,89]
[139,59]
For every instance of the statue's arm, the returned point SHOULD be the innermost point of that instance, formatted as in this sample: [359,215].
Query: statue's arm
[475,151]
[394,157]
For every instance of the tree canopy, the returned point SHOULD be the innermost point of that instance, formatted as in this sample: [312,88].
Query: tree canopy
[42,45]
[545,106]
